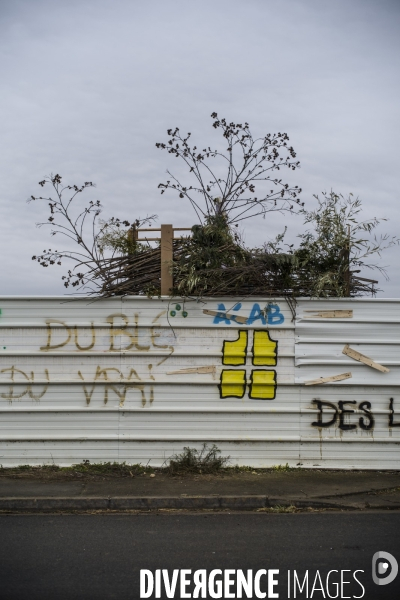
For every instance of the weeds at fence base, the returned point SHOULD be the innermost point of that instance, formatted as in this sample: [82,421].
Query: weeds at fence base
[83,469]
[204,461]
[284,468]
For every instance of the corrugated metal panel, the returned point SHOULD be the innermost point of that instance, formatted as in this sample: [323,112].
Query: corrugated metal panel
[369,437]
[136,379]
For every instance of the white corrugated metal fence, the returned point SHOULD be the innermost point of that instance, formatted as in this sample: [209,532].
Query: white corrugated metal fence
[137,379]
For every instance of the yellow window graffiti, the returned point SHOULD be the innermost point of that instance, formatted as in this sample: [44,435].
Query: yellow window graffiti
[262,383]
[265,350]
[234,353]
[233,383]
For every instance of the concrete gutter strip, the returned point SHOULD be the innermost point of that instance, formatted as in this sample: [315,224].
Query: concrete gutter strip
[134,503]
[243,491]
[80,503]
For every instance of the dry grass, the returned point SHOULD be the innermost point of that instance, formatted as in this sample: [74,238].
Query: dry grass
[204,461]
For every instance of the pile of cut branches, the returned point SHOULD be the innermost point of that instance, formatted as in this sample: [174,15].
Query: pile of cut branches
[214,262]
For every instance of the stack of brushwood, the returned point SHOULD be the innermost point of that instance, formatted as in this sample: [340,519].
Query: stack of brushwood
[213,262]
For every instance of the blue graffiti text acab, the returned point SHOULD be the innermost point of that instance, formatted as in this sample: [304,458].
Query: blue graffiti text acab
[272,315]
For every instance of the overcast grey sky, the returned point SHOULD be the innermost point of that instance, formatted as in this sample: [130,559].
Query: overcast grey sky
[88,87]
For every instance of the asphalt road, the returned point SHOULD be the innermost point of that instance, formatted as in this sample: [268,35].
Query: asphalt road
[59,557]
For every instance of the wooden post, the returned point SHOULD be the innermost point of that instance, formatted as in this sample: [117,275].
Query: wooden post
[133,234]
[167,237]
